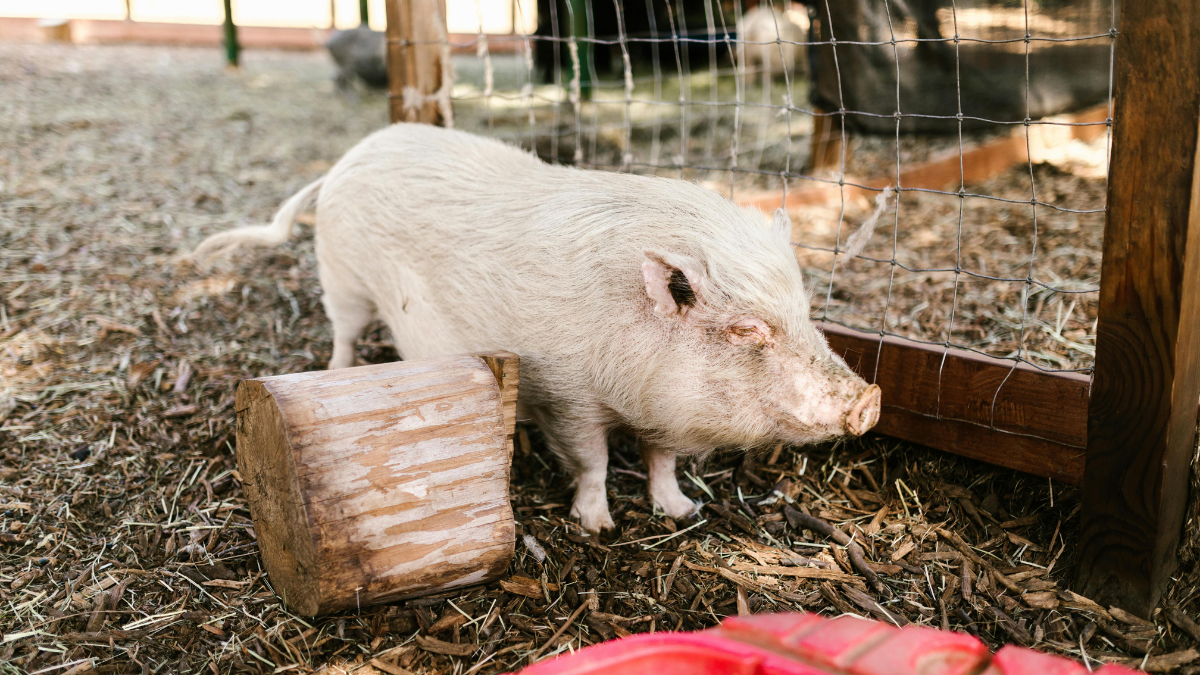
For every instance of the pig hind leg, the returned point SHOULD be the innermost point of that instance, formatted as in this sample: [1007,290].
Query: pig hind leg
[350,314]
[664,488]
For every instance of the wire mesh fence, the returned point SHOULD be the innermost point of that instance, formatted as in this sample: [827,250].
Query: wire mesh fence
[965,142]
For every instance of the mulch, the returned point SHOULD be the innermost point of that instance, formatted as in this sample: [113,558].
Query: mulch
[125,540]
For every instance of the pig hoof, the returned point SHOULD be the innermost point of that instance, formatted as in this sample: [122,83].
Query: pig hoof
[676,505]
[591,508]
[595,523]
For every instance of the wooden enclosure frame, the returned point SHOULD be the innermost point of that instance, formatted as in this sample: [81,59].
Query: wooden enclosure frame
[414,59]
[1127,434]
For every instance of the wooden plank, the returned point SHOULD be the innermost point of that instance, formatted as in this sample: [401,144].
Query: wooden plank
[946,172]
[1142,420]
[415,31]
[958,401]
[1031,454]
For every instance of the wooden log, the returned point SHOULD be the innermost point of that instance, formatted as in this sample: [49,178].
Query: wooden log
[415,31]
[1142,417]
[383,482]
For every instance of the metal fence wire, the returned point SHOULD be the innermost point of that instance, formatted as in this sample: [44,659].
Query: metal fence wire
[944,162]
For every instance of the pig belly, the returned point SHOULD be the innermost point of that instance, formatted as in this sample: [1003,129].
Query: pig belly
[382,276]
[420,329]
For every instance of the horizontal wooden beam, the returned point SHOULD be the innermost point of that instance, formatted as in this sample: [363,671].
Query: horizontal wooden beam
[947,172]
[995,410]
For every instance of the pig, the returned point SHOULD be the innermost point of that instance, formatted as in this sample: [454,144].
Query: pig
[639,303]
[767,41]
[360,52]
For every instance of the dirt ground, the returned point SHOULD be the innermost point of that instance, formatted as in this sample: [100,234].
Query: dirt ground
[125,541]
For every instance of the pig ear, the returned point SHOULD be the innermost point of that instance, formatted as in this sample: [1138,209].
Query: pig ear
[673,283]
[781,226]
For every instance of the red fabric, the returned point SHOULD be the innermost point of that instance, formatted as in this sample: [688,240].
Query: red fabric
[807,644]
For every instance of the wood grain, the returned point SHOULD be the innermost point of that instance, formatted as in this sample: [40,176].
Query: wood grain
[377,483]
[1142,420]
[415,57]
[972,405]
[506,367]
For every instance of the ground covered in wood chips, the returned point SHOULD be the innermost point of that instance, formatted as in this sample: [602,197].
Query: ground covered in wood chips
[125,541]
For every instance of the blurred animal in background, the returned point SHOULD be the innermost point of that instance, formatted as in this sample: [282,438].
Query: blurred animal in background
[767,42]
[362,53]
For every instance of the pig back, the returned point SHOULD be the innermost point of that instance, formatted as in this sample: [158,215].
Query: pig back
[466,244]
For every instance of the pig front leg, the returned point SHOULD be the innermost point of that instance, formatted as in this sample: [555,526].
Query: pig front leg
[664,488]
[591,499]
[582,446]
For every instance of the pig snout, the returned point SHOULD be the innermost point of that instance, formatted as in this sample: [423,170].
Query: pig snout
[864,413]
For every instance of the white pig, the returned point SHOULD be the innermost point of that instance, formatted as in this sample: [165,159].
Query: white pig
[648,304]
[767,41]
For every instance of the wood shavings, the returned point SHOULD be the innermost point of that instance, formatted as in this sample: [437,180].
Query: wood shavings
[116,466]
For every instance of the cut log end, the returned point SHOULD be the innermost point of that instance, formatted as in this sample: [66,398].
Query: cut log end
[272,490]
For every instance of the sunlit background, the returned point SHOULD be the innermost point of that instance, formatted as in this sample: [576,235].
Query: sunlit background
[462,16]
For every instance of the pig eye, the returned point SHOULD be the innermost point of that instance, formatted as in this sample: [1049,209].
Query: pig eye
[749,332]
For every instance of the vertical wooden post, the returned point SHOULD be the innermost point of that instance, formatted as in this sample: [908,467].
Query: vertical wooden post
[415,58]
[1142,414]
[825,145]
[364,14]
[232,48]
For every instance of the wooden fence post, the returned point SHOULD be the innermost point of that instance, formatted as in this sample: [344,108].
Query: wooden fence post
[1142,414]
[415,30]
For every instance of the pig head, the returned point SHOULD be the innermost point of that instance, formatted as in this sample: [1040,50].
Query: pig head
[766,374]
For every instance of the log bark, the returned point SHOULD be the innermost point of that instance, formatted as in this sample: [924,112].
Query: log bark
[383,482]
